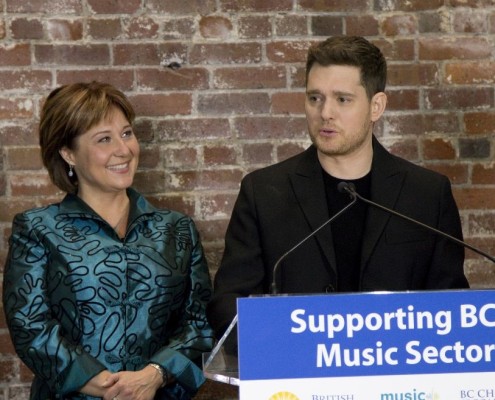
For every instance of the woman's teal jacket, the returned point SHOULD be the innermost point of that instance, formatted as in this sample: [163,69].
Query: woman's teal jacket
[79,300]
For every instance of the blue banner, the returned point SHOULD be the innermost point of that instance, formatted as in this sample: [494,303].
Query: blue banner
[366,334]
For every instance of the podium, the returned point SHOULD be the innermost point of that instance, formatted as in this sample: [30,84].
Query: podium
[383,345]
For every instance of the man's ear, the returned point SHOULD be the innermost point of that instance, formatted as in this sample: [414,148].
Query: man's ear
[67,155]
[378,105]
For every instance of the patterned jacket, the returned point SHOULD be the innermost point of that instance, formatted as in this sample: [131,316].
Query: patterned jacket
[79,300]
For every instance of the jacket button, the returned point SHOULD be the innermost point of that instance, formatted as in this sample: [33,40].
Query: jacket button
[329,288]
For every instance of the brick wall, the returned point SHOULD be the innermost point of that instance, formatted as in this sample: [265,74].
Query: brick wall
[218,87]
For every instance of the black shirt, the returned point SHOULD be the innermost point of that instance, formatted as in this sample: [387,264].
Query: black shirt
[347,229]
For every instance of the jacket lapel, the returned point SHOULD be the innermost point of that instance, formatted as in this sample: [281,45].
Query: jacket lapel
[307,185]
[386,184]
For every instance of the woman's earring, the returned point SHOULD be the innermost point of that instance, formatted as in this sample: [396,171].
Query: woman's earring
[71,172]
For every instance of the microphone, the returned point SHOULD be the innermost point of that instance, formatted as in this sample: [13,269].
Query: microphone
[274,289]
[351,189]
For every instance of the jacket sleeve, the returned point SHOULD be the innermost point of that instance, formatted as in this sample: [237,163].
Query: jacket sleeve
[447,266]
[37,337]
[242,271]
[192,334]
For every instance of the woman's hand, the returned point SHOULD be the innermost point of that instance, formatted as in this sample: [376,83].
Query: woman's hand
[133,385]
[98,385]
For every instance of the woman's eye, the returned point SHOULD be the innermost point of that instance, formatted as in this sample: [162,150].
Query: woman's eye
[127,133]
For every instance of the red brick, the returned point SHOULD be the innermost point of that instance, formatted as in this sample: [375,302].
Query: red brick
[26,28]
[287,52]
[412,75]
[396,25]
[479,123]
[215,206]
[250,78]
[142,27]
[260,128]
[30,80]
[180,157]
[62,54]
[215,27]
[416,5]
[177,202]
[288,103]
[187,129]
[403,147]
[179,28]
[16,55]
[234,103]
[470,73]
[45,7]
[161,104]
[8,370]
[179,7]
[327,25]
[403,99]
[288,150]
[414,124]
[438,149]
[148,53]
[149,157]
[257,153]
[34,184]
[19,134]
[333,5]
[456,98]
[255,5]
[291,25]
[168,79]
[474,198]
[219,155]
[114,7]
[67,30]
[298,77]
[481,224]
[105,28]
[483,174]
[211,230]
[471,22]
[457,173]
[398,50]
[121,78]
[433,48]
[225,53]
[257,26]
[206,180]
[13,108]
[150,181]
[24,158]
[361,25]
[6,346]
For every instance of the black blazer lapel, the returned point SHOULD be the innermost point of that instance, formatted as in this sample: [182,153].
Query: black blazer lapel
[386,185]
[307,185]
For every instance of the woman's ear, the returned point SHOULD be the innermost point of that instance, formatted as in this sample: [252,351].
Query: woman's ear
[67,155]
[378,105]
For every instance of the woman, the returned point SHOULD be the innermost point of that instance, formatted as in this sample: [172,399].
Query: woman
[104,294]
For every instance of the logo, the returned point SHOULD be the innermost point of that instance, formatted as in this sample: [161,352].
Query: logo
[284,396]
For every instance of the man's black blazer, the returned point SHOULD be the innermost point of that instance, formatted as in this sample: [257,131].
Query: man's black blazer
[281,204]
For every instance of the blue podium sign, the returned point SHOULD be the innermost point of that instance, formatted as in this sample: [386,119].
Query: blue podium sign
[356,343]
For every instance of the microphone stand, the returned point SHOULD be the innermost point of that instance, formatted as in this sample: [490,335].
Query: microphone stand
[274,289]
[350,188]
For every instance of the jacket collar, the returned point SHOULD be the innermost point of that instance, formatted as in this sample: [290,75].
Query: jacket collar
[74,206]
[386,184]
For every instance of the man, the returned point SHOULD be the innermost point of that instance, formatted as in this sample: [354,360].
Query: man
[365,248]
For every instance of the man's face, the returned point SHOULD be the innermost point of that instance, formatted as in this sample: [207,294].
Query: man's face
[339,114]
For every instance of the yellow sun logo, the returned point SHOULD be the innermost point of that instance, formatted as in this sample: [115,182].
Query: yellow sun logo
[284,396]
